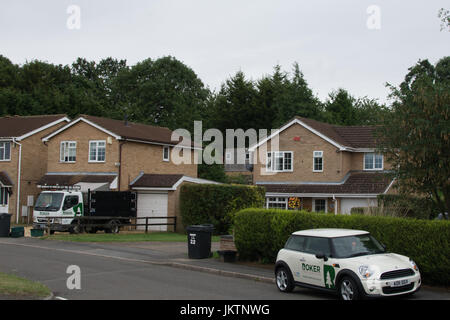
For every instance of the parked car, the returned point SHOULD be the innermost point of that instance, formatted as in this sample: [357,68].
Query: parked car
[350,263]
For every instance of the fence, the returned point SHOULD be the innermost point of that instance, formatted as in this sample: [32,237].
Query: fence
[107,222]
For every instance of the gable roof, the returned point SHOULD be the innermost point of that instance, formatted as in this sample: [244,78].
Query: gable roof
[120,130]
[346,138]
[21,127]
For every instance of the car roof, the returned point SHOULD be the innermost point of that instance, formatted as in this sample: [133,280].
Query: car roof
[329,233]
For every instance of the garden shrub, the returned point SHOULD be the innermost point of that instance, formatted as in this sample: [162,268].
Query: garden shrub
[216,204]
[261,233]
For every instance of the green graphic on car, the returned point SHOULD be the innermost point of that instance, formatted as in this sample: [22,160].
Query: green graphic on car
[329,274]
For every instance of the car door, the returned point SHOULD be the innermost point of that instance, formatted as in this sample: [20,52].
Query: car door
[312,268]
[295,255]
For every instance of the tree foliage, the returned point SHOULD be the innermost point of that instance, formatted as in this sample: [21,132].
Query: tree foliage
[416,134]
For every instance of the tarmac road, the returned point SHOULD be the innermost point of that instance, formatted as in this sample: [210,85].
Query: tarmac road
[112,271]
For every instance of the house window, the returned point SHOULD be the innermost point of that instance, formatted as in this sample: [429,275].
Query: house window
[166,153]
[318,161]
[319,205]
[4,196]
[97,151]
[276,203]
[279,161]
[373,161]
[68,151]
[5,151]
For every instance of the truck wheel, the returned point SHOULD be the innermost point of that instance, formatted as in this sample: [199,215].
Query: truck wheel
[76,229]
[112,227]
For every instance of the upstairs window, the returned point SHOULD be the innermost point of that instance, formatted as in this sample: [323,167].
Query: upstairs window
[5,151]
[373,161]
[279,161]
[318,161]
[68,151]
[97,151]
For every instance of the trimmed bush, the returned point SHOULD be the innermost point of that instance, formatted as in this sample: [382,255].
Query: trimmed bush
[261,233]
[216,204]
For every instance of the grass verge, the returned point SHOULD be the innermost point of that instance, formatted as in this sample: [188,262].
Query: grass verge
[17,287]
[123,237]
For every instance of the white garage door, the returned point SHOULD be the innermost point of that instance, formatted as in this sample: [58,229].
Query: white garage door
[348,203]
[152,205]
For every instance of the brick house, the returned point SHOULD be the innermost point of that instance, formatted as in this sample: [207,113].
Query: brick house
[326,167]
[103,154]
[23,158]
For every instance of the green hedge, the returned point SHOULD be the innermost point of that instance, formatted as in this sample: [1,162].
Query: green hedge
[216,204]
[260,233]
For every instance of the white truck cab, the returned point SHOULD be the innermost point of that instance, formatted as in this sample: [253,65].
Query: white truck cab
[351,263]
[55,204]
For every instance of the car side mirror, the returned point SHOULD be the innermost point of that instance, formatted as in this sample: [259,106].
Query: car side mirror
[322,255]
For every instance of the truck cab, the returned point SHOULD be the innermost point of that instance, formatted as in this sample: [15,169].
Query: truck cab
[55,204]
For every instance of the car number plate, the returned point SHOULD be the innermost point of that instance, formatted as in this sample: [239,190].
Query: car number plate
[399,283]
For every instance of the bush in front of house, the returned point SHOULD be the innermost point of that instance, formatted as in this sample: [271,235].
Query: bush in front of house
[261,233]
[217,204]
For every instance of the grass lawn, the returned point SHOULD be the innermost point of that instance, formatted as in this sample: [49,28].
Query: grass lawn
[12,285]
[123,237]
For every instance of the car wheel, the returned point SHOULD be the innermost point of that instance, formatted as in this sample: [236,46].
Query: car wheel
[283,279]
[348,289]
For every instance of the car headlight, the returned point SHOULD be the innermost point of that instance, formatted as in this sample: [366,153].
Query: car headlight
[366,271]
[414,265]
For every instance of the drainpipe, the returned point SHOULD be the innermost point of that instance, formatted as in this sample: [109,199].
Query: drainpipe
[121,143]
[335,205]
[18,180]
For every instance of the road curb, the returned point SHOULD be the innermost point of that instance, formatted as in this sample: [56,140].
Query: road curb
[50,297]
[225,273]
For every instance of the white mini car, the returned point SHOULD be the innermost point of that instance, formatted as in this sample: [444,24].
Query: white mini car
[351,263]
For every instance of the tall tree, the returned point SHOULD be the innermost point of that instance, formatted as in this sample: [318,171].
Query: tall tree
[296,99]
[163,92]
[236,105]
[341,108]
[416,134]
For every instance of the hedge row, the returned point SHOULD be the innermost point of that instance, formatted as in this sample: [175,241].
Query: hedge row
[260,233]
[216,204]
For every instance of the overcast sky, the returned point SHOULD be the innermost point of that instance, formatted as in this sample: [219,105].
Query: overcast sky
[337,43]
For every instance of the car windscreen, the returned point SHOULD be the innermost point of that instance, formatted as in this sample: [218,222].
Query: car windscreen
[354,246]
[49,201]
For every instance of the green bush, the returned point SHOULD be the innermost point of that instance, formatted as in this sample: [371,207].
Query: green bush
[261,233]
[408,206]
[216,204]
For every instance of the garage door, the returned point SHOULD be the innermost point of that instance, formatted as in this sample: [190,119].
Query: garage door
[152,205]
[348,203]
